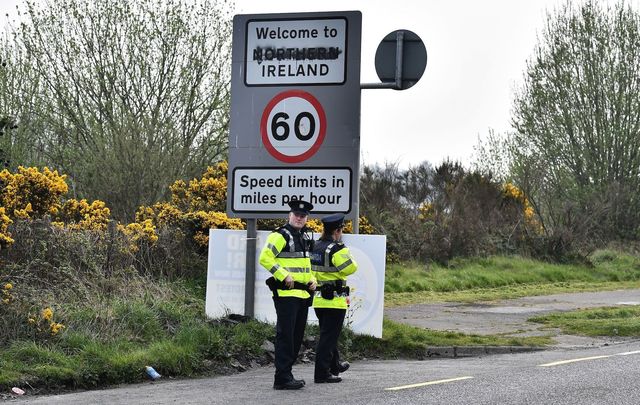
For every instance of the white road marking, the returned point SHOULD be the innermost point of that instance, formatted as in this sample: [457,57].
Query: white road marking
[404,387]
[628,353]
[557,363]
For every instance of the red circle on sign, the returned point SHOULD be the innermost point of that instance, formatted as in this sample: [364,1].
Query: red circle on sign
[266,139]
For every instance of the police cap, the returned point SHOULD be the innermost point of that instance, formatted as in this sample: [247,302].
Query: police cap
[334,221]
[300,207]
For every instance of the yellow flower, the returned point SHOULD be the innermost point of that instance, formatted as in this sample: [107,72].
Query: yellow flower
[364,226]
[47,314]
[82,215]
[8,286]
[426,211]
[315,225]
[31,192]
[56,327]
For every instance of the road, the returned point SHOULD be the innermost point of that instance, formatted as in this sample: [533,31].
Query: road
[607,374]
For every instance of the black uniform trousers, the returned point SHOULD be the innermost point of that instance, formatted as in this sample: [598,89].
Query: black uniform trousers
[327,356]
[292,319]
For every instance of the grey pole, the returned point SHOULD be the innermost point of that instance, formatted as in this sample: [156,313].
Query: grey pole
[396,85]
[250,275]
[356,221]
[399,49]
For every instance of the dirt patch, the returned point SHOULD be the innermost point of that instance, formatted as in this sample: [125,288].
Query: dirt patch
[510,317]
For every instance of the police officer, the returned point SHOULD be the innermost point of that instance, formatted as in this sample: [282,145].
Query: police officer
[331,263]
[286,256]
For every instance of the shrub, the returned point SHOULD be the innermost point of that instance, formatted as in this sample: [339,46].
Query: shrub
[31,193]
[195,207]
[435,214]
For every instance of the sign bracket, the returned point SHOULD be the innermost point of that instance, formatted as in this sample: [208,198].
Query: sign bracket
[397,84]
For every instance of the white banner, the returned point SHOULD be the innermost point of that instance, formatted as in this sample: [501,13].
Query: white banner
[226,275]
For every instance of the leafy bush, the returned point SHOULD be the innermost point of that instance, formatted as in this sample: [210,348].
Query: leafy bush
[437,214]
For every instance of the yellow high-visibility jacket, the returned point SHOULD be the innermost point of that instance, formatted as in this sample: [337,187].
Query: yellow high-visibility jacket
[331,262]
[287,252]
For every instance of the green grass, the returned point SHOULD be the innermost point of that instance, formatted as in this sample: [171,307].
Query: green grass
[77,360]
[404,341]
[110,341]
[507,292]
[606,321]
[501,277]
[110,338]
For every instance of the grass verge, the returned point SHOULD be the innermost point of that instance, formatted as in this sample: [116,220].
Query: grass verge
[499,277]
[605,321]
[404,341]
[122,323]
[501,293]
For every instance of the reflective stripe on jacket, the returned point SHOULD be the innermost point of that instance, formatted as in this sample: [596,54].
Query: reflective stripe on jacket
[286,253]
[331,261]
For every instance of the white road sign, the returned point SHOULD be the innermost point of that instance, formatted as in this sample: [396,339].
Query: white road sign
[293,126]
[267,190]
[300,51]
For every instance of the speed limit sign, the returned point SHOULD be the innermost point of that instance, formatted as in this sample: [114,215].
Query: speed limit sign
[293,126]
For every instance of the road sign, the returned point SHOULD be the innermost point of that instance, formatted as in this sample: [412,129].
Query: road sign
[295,113]
[412,54]
[293,126]
[296,51]
[268,189]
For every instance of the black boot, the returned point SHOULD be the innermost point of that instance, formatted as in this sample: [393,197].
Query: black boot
[328,379]
[342,367]
[289,385]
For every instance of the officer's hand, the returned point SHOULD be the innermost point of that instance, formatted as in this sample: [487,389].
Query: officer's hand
[288,281]
[312,285]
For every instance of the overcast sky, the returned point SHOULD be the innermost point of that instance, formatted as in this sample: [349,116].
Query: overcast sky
[477,53]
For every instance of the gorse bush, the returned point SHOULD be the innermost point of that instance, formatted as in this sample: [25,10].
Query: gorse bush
[34,194]
[5,221]
[55,250]
[82,215]
[30,192]
[436,214]
[195,207]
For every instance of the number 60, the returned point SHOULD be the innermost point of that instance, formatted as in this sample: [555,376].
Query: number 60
[279,121]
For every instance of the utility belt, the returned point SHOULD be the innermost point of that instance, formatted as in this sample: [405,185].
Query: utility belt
[275,285]
[332,289]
